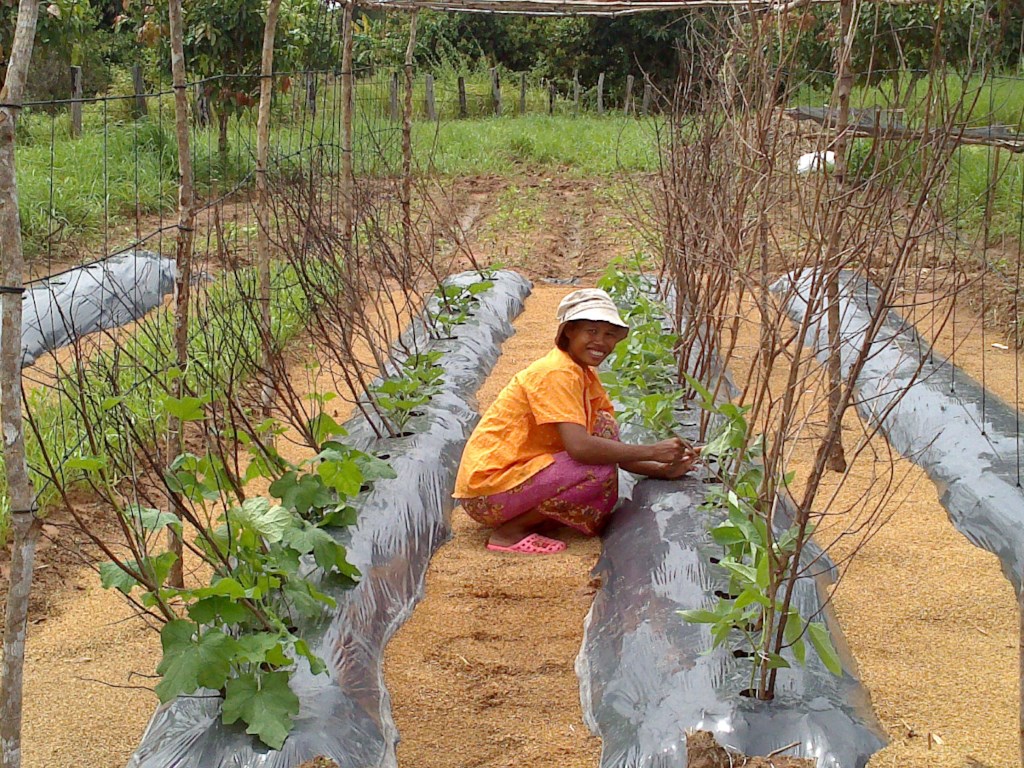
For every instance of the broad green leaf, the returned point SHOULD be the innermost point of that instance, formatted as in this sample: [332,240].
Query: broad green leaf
[218,608]
[374,468]
[113,576]
[750,596]
[268,520]
[223,587]
[340,517]
[323,426]
[265,703]
[186,408]
[344,477]
[726,534]
[254,648]
[86,463]
[153,520]
[744,573]
[189,663]
[774,661]
[700,616]
[823,645]
[303,493]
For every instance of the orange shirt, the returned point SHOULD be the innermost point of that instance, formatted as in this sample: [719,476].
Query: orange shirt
[517,436]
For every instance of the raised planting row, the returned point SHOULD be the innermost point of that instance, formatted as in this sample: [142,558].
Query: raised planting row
[966,439]
[343,711]
[647,673]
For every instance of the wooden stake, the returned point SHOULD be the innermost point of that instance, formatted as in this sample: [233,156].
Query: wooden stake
[600,94]
[347,178]
[628,106]
[393,97]
[522,93]
[25,525]
[576,91]
[139,86]
[551,98]
[183,253]
[429,99]
[76,103]
[496,91]
[463,105]
[262,188]
[407,148]
[645,106]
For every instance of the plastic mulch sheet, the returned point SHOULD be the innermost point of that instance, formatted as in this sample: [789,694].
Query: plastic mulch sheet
[965,438]
[107,294]
[647,676]
[345,714]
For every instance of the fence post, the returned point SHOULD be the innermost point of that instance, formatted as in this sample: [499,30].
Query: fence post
[522,94]
[496,91]
[139,85]
[429,98]
[629,96]
[600,94]
[551,98]
[646,106]
[311,93]
[576,90]
[76,105]
[202,112]
[393,96]
[463,106]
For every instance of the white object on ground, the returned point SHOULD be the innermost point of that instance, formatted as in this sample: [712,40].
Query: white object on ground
[815,161]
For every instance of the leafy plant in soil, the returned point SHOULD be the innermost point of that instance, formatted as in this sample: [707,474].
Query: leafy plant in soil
[455,304]
[240,635]
[419,379]
[756,559]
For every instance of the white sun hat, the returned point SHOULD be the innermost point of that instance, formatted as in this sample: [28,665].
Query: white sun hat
[587,304]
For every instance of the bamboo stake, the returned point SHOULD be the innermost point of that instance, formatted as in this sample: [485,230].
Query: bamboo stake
[24,523]
[183,255]
[262,191]
[76,103]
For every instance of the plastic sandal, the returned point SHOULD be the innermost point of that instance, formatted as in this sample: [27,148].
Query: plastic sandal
[532,544]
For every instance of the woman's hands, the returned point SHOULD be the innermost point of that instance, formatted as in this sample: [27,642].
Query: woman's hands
[671,451]
[666,459]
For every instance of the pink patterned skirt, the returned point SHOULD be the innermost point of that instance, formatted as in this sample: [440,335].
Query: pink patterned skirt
[578,495]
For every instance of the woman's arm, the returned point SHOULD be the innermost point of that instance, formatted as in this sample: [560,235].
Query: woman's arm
[591,449]
[663,471]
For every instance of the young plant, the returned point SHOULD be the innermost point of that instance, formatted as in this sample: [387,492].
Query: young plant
[455,303]
[757,558]
[240,636]
[418,380]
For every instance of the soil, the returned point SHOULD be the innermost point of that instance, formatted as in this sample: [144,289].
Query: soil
[482,674]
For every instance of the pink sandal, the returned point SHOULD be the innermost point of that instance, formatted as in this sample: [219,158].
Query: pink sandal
[532,544]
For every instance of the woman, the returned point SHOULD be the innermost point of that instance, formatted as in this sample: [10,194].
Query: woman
[547,451]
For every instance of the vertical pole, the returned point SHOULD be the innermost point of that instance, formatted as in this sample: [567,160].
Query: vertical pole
[551,98]
[600,94]
[522,94]
[183,248]
[347,180]
[24,524]
[76,103]
[393,97]
[139,86]
[429,99]
[262,188]
[407,148]
[496,91]
[844,85]
[310,89]
[628,106]
[576,91]
[463,105]
[645,106]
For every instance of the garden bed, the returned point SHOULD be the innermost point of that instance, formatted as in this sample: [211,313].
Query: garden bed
[345,713]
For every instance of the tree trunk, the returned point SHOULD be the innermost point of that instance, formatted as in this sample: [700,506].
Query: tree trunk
[25,525]
[183,256]
[222,136]
[262,192]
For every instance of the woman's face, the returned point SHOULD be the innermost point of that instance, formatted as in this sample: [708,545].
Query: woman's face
[589,342]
